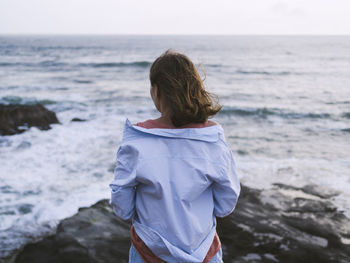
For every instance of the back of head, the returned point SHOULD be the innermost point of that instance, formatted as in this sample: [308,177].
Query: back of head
[182,89]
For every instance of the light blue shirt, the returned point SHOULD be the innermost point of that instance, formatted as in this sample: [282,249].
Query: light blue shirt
[173,183]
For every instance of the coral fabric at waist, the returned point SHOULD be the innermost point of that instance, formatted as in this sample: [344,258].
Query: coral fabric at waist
[148,256]
[145,253]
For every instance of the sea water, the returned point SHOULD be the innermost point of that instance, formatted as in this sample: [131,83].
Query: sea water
[286,115]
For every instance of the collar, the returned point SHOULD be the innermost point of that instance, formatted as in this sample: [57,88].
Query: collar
[208,134]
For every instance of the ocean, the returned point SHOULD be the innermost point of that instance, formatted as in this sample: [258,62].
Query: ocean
[286,115]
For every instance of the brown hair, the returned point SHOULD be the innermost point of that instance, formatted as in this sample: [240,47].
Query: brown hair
[182,89]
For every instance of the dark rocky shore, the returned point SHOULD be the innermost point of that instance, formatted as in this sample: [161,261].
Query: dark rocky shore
[17,118]
[284,224]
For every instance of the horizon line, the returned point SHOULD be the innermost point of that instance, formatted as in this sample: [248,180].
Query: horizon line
[161,34]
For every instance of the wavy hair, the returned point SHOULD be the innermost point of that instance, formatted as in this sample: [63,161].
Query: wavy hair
[182,89]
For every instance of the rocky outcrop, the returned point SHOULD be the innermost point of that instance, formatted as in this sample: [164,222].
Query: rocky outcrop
[284,224]
[94,234]
[17,118]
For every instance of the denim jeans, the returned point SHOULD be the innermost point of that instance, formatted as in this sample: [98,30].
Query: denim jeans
[134,256]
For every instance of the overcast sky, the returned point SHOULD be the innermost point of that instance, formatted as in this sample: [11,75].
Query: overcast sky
[175,17]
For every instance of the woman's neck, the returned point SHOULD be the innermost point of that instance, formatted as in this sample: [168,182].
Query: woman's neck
[165,120]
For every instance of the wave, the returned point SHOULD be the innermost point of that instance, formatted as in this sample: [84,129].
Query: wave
[47,63]
[214,65]
[346,115]
[142,64]
[254,72]
[25,101]
[246,111]
[265,112]
[82,81]
[346,130]
[258,72]
[7,64]
[139,64]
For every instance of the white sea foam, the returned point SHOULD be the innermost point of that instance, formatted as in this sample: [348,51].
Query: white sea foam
[62,169]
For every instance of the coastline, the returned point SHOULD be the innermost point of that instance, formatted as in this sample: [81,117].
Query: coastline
[285,114]
[282,224]
[285,224]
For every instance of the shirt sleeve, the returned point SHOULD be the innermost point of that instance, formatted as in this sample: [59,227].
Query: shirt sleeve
[227,188]
[124,184]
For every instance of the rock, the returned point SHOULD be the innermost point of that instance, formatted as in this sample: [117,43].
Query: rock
[77,119]
[16,118]
[25,208]
[311,189]
[279,226]
[94,234]
[283,224]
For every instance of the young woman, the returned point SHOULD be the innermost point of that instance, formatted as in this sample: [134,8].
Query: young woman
[175,174]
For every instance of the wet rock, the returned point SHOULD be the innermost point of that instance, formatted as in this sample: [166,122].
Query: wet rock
[282,224]
[25,208]
[316,190]
[77,119]
[67,249]
[94,234]
[16,118]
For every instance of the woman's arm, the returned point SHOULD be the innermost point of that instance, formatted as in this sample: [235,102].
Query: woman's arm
[227,188]
[124,184]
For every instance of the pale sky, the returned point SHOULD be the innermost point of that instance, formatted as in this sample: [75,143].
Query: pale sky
[175,17]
